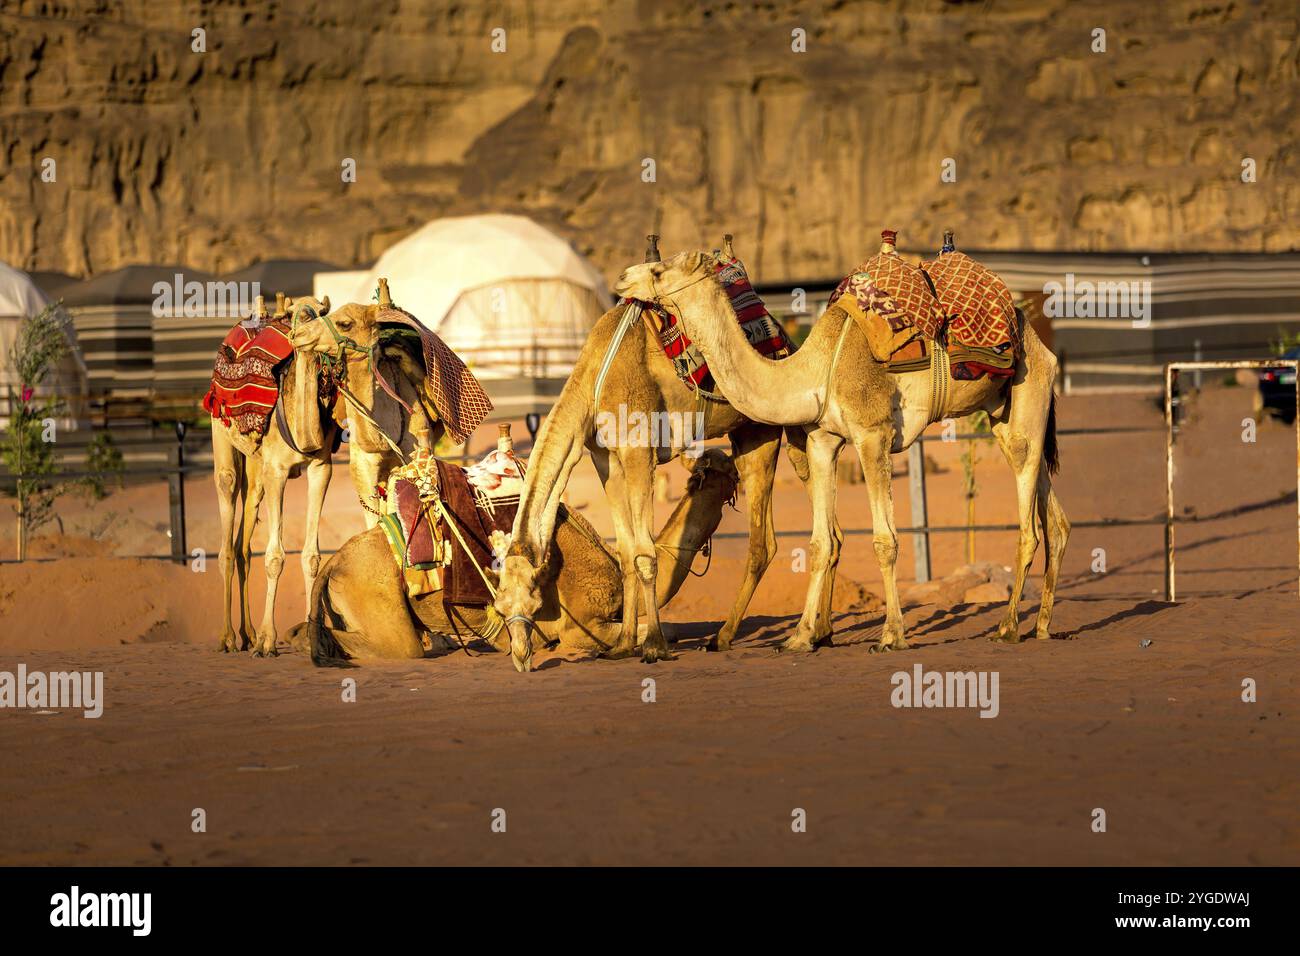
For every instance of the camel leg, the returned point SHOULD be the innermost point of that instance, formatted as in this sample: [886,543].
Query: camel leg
[227,472]
[610,471]
[376,616]
[251,489]
[823,453]
[274,477]
[1025,455]
[754,450]
[873,452]
[318,483]
[1056,529]
[366,469]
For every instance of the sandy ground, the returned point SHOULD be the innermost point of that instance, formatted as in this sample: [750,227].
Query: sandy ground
[587,772]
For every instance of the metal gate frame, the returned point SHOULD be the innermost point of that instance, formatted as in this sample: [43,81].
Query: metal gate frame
[1171,370]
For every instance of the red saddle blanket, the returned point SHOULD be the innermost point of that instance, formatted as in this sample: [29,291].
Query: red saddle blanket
[953,301]
[976,302]
[244,385]
[764,333]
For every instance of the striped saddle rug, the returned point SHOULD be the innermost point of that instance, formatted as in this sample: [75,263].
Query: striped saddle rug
[244,385]
[764,333]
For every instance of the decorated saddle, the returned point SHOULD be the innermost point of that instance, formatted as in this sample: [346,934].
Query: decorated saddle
[446,525]
[245,384]
[764,333]
[952,305]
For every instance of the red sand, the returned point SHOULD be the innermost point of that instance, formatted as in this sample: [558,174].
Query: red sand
[710,773]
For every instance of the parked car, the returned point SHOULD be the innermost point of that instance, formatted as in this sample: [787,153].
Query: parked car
[1277,388]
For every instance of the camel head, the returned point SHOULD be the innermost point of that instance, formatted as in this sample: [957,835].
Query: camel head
[712,468]
[360,323]
[519,597]
[657,281]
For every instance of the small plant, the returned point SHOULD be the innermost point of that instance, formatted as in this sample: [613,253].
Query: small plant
[1285,342]
[27,445]
[103,458]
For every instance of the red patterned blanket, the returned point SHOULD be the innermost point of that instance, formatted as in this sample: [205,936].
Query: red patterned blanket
[977,304]
[244,387]
[952,300]
[764,333]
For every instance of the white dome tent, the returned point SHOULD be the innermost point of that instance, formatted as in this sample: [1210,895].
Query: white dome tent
[513,299]
[20,299]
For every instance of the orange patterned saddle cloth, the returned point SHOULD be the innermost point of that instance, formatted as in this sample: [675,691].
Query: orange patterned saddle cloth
[951,302]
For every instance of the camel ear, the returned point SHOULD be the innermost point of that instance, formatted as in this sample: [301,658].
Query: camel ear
[325,306]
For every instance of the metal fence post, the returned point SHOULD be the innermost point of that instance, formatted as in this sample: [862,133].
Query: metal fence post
[176,489]
[916,485]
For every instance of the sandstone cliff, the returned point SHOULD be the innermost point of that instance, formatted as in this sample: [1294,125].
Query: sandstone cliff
[223,157]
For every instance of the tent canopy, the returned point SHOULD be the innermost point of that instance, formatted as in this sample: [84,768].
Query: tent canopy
[512,297]
[20,299]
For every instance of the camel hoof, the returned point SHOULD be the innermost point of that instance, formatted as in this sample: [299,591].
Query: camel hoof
[794,645]
[885,646]
[716,644]
[1005,637]
[654,651]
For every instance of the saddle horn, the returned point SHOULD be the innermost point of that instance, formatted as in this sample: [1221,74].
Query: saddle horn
[385,300]
[280,305]
[888,241]
[652,249]
[947,242]
[726,246]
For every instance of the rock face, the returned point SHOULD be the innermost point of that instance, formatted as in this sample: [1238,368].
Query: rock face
[222,157]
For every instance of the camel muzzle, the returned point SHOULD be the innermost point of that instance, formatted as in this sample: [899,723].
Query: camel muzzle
[520,629]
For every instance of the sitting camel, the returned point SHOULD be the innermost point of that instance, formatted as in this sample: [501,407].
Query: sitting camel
[248,466]
[637,381]
[359,605]
[838,391]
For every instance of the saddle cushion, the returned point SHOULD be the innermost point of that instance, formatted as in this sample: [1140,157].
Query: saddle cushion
[479,529]
[244,385]
[482,501]
[763,332]
[977,304]
[896,290]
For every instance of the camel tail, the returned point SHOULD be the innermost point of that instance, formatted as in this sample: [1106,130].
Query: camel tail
[325,648]
[1051,452]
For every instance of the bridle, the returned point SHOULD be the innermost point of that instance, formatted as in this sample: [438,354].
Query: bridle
[660,296]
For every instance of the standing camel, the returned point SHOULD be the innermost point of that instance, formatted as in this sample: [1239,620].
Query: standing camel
[360,607]
[638,381]
[248,467]
[353,331]
[837,391]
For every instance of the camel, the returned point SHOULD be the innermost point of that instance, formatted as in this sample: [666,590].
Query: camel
[833,390]
[371,456]
[359,606]
[248,468]
[639,380]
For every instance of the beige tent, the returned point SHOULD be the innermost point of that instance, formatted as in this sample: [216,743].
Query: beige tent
[513,299]
[19,299]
